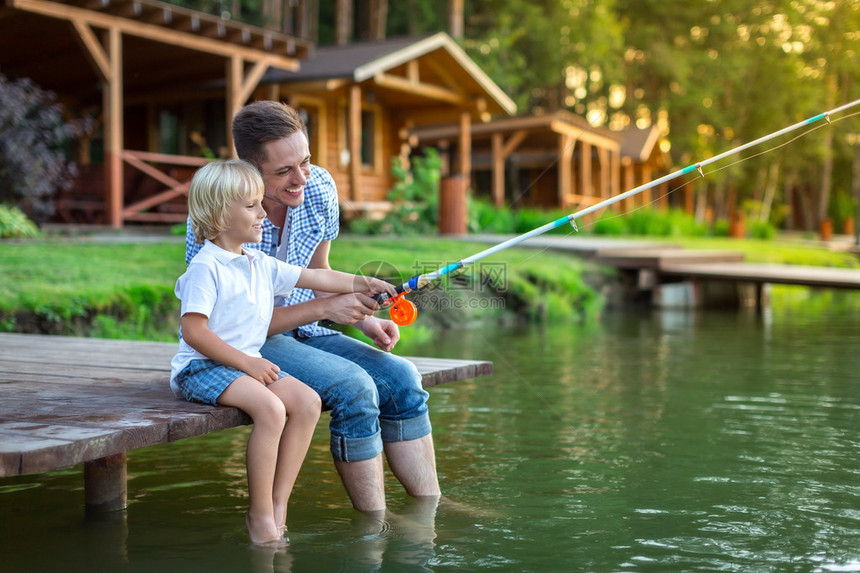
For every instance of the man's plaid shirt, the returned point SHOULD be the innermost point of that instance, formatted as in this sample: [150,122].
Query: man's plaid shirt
[316,220]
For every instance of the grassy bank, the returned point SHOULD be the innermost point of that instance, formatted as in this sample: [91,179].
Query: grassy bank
[125,290]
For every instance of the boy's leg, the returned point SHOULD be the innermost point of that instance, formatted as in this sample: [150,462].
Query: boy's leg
[268,415]
[351,395]
[303,408]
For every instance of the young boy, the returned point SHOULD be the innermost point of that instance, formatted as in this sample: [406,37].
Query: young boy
[227,295]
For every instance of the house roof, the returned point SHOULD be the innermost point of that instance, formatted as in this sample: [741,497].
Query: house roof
[542,130]
[363,61]
[164,46]
[638,144]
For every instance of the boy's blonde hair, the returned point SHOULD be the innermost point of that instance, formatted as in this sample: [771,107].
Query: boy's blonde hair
[212,189]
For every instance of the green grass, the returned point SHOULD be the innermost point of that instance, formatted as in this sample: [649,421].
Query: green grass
[124,290]
[73,287]
[773,251]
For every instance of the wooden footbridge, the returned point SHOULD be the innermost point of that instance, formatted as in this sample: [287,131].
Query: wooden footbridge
[66,400]
[655,271]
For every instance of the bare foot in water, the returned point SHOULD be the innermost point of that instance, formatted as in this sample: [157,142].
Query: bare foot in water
[263,531]
[280,515]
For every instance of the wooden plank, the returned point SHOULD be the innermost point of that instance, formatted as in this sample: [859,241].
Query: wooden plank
[98,398]
[281,53]
[769,273]
[657,258]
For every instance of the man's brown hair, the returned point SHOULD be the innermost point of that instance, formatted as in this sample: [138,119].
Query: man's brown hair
[261,122]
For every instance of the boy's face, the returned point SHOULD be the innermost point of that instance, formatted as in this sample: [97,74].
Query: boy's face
[245,222]
[286,169]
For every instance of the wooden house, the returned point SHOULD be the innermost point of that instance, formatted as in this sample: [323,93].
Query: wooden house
[642,161]
[138,66]
[362,102]
[554,160]
[164,83]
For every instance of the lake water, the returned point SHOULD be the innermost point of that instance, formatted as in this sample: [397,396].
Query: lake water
[651,441]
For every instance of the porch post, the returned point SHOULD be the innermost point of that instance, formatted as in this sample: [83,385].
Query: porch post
[603,159]
[113,128]
[498,171]
[628,204]
[566,143]
[585,166]
[647,194]
[501,151]
[615,172]
[466,148]
[354,143]
[234,73]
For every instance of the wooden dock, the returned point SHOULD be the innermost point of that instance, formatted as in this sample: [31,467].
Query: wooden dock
[66,400]
[651,269]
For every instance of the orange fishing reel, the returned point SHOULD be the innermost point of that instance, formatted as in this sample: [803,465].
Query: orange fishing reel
[401,310]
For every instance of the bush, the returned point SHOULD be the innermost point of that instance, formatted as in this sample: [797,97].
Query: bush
[759,230]
[33,164]
[15,224]
[611,224]
[721,228]
[414,199]
[484,217]
[527,219]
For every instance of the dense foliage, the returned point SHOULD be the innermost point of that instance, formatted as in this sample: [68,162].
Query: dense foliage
[712,75]
[33,132]
[15,224]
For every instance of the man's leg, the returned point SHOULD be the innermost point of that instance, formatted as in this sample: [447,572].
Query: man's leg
[364,482]
[350,394]
[414,464]
[404,419]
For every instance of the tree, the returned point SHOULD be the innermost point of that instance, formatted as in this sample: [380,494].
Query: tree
[546,54]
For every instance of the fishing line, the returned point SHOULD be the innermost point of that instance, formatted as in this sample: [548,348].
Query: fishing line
[715,170]
[403,311]
[500,356]
[547,404]
[552,164]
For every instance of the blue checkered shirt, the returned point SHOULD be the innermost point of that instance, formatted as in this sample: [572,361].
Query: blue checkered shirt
[316,220]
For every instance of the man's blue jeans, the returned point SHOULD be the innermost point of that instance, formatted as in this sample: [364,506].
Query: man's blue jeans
[374,396]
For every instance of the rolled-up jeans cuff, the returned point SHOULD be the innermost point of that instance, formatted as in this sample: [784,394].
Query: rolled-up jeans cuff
[403,430]
[345,449]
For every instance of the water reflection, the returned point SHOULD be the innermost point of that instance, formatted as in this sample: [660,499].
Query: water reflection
[402,540]
[648,442]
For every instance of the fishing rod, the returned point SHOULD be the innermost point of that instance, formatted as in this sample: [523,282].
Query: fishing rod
[403,311]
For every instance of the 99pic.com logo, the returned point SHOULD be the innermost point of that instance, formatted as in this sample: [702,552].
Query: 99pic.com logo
[480,286]
[382,270]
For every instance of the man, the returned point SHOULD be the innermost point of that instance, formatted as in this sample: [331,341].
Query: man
[376,399]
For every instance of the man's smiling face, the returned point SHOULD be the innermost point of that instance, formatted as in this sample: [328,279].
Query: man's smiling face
[286,169]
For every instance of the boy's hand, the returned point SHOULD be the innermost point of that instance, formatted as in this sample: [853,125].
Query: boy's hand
[373,285]
[262,370]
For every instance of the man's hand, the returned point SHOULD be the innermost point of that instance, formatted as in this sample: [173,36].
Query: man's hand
[383,333]
[349,308]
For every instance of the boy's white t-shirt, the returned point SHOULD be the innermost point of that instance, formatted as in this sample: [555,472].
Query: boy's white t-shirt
[236,293]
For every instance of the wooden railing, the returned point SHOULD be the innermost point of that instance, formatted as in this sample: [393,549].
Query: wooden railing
[176,185]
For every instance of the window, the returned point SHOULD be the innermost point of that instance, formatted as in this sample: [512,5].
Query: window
[312,112]
[370,140]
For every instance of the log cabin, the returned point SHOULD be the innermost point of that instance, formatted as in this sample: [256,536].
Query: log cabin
[163,83]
